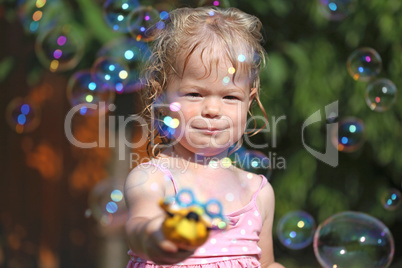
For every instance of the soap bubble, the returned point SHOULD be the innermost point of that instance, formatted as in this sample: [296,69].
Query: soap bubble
[132,53]
[364,64]
[60,48]
[216,3]
[38,16]
[168,126]
[353,239]
[295,230]
[391,199]
[83,89]
[252,161]
[22,115]
[380,95]
[141,19]
[349,136]
[111,73]
[107,206]
[116,12]
[257,162]
[336,9]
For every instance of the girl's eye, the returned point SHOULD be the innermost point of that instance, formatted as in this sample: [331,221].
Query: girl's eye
[231,98]
[193,95]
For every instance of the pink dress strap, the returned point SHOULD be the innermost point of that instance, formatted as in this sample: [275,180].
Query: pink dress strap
[166,172]
[263,182]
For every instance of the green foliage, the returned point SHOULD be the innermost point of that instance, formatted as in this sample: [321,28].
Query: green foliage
[306,71]
[6,66]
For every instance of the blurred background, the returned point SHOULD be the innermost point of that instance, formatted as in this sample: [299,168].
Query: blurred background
[62,205]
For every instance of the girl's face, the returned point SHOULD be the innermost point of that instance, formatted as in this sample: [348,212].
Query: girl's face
[213,108]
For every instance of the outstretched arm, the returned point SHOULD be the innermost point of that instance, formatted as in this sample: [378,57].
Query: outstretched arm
[266,204]
[144,188]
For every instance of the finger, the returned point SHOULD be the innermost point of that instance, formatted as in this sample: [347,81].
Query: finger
[163,243]
[168,246]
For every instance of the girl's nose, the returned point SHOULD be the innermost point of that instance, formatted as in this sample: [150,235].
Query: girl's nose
[211,108]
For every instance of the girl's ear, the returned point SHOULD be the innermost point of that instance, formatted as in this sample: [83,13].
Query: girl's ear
[253,93]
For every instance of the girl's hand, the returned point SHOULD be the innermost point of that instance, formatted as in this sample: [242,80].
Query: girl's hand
[159,249]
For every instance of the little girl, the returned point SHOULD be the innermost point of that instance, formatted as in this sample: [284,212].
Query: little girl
[201,82]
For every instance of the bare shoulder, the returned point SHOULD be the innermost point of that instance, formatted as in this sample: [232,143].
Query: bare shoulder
[144,174]
[266,201]
[252,180]
[146,182]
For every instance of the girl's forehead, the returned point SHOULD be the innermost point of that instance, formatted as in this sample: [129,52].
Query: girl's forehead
[213,61]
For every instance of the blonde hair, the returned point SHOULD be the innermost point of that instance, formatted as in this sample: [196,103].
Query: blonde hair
[188,29]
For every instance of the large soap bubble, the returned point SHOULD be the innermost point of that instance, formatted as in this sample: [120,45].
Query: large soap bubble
[353,239]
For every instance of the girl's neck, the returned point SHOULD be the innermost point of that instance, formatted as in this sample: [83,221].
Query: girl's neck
[195,159]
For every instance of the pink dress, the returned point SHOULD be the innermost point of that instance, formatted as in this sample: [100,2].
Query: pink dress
[235,247]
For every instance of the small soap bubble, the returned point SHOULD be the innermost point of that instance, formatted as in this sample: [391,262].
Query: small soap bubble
[104,205]
[60,48]
[256,162]
[83,89]
[216,3]
[141,20]
[241,58]
[229,197]
[175,106]
[296,229]
[231,70]
[226,80]
[167,120]
[116,14]
[174,123]
[391,199]
[22,115]
[88,213]
[116,195]
[380,95]
[131,52]
[164,15]
[222,225]
[349,136]
[213,164]
[364,64]
[226,162]
[167,126]
[336,9]
[353,239]
[110,73]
